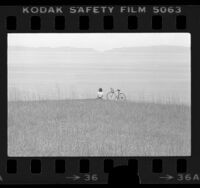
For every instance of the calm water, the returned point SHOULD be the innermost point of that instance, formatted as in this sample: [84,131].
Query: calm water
[57,74]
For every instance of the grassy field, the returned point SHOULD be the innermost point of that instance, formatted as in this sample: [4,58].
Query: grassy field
[97,128]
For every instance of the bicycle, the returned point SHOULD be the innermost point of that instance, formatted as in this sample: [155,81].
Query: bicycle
[115,95]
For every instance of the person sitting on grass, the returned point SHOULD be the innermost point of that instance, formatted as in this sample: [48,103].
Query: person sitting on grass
[100,93]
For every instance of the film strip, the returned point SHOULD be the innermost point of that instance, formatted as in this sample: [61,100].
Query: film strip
[108,22]
[87,19]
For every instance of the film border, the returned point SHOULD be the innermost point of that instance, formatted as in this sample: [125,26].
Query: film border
[169,168]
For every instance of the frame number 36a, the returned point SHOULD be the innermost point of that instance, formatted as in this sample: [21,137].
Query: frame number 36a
[188,177]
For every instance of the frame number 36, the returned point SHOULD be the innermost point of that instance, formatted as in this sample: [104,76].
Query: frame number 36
[91,177]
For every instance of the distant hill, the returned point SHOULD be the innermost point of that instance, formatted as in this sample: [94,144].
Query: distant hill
[159,49]
[50,49]
[150,49]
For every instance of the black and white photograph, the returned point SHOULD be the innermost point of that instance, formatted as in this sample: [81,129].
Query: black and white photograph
[99,94]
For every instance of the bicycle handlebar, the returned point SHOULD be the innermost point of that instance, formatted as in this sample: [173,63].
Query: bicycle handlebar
[112,90]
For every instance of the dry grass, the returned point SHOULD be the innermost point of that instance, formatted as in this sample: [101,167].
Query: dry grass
[97,128]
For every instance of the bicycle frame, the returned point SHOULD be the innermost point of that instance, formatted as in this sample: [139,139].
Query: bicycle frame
[116,93]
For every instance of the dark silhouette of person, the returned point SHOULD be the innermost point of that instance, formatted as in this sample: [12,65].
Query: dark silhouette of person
[100,93]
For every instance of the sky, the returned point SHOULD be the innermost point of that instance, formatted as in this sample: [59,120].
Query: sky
[154,75]
[99,41]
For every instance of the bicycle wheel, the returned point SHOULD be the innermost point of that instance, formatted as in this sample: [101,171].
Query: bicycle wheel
[111,96]
[122,97]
